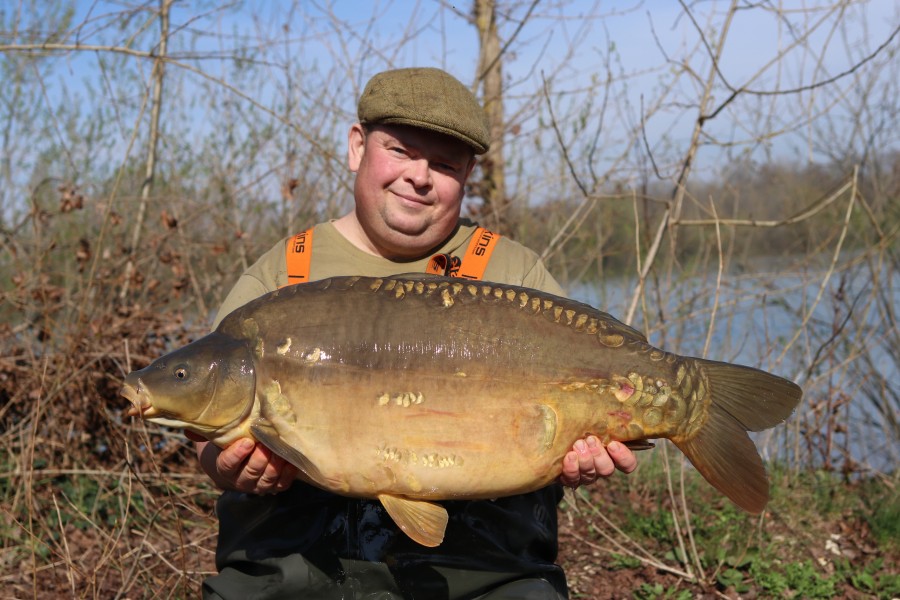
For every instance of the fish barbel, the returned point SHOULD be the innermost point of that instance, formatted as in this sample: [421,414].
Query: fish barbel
[416,389]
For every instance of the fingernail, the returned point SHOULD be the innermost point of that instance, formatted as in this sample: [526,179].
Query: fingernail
[614,446]
[247,445]
[579,445]
[593,442]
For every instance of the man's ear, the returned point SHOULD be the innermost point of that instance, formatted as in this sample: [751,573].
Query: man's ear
[356,147]
[471,166]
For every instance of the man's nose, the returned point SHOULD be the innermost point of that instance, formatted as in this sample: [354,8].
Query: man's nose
[419,173]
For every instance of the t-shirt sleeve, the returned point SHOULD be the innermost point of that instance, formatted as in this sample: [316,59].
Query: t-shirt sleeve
[246,289]
[513,263]
[540,278]
[262,277]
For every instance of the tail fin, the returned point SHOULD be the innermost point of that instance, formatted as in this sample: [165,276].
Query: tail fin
[742,400]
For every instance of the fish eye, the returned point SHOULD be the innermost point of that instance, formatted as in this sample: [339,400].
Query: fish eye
[181,372]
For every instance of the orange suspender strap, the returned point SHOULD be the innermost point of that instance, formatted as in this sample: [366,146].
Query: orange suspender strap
[474,261]
[298,253]
[478,254]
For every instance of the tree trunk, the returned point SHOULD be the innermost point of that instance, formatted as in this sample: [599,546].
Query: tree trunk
[147,186]
[494,212]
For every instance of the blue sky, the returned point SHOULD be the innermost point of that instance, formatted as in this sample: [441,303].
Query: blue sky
[441,38]
[652,49]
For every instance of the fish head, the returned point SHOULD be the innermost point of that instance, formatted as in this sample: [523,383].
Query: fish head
[207,387]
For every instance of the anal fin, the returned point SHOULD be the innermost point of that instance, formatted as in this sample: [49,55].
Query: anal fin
[424,522]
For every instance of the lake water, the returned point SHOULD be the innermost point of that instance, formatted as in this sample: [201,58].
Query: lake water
[833,335]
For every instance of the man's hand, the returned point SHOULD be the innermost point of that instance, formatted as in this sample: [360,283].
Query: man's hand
[589,460]
[244,466]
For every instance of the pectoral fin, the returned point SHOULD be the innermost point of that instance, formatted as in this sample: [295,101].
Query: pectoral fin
[263,431]
[635,445]
[424,522]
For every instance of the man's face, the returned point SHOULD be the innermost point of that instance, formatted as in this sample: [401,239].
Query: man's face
[409,186]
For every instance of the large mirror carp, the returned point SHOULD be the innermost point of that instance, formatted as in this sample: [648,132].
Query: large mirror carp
[418,389]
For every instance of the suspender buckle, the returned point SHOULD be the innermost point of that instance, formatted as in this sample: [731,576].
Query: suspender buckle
[443,264]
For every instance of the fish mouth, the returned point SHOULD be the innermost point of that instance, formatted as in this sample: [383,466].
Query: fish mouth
[140,403]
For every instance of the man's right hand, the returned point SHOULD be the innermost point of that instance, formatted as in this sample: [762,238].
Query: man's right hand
[244,466]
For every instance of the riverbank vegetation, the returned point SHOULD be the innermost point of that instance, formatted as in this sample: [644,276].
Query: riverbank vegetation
[745,213]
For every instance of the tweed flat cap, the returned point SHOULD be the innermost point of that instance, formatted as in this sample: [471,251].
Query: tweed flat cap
[428,98]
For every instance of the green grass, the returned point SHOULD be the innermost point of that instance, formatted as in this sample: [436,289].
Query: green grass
[820,536]
[656,591]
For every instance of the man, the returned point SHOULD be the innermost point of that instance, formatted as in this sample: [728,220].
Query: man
[412,151]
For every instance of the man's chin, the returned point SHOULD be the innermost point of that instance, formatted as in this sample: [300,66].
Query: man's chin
[409,243]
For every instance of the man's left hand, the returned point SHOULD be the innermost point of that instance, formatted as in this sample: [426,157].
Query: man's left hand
[589,460]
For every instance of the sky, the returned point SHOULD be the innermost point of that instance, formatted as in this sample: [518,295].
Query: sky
[642,43]
[610,68]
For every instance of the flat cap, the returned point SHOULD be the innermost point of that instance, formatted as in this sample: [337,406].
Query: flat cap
[427,98]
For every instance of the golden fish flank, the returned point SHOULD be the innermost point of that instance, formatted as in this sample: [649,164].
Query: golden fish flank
[390,454]
[284,347]
[611,340]
[428,460]
[433,460]
[529,368]
[405,399]
[276,402]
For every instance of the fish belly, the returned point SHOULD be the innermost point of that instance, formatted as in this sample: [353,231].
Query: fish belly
[428,435]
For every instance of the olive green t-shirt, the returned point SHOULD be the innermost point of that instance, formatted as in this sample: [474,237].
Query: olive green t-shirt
[333,255]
